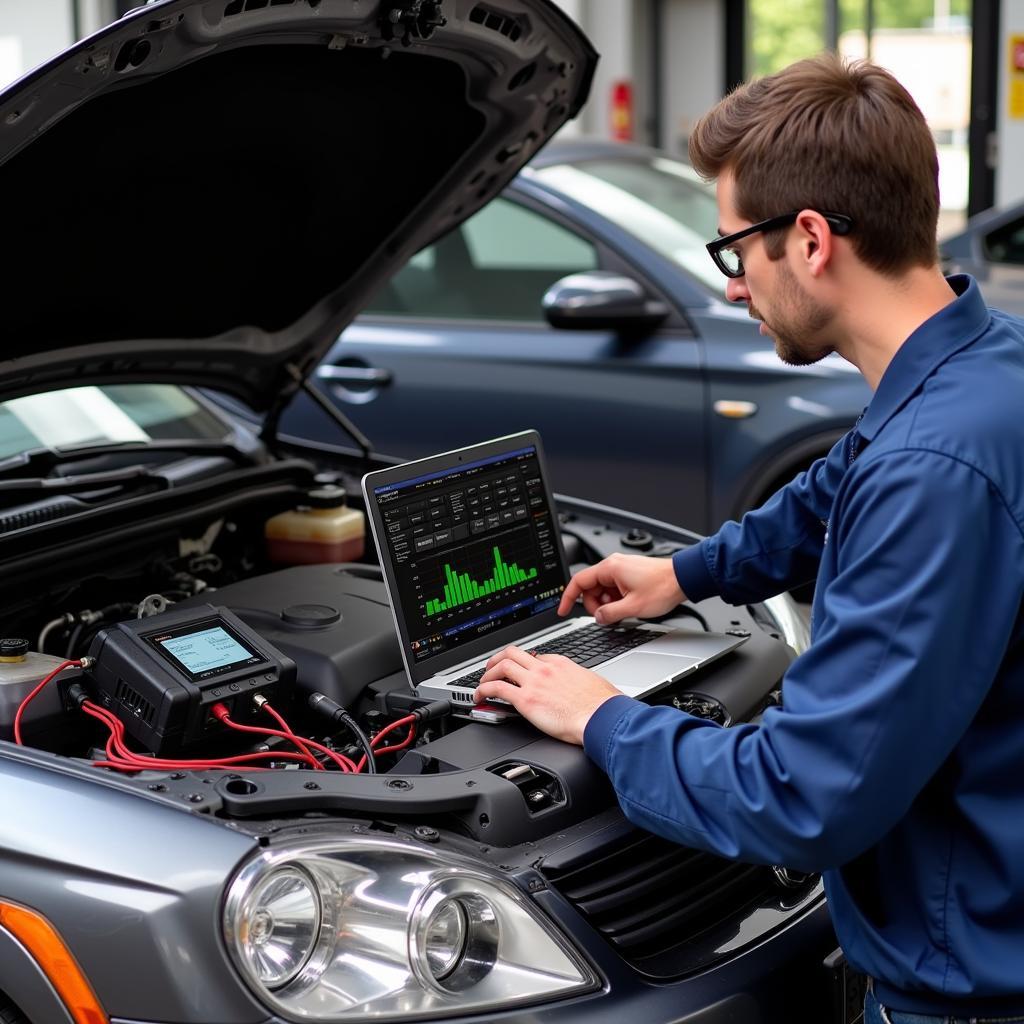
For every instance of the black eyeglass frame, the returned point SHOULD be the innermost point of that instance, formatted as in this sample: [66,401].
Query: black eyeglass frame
[838,222]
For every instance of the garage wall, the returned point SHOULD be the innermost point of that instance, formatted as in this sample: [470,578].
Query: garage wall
[612,28]
[693,62]
[31,33]
[1010,97]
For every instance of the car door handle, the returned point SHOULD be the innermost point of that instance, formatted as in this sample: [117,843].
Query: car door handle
[371,375]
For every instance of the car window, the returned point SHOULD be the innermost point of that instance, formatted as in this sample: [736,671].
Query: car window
[662,202]
[126,412]
[496,266]
[1006,244]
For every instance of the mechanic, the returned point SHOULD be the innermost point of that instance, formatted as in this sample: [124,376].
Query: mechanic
[896,766]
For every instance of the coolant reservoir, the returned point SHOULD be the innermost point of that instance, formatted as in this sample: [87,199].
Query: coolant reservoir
[324,529]
[20,671]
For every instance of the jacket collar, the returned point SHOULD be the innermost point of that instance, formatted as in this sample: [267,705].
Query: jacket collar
[947,332]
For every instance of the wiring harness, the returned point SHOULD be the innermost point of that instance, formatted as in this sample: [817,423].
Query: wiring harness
[119,755]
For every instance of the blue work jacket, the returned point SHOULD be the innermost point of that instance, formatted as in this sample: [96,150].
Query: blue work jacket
[897,763]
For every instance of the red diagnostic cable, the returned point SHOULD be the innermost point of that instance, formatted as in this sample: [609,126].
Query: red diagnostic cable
[409,720]
[121,757]
[297,740]
[222,715]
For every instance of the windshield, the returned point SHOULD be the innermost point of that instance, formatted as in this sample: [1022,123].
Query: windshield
[114,413]
[663,202]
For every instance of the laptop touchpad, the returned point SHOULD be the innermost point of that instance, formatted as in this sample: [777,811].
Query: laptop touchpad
[643,670]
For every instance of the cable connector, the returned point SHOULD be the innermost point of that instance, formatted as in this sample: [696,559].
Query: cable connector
[432,711]
[259,700]
[86,662]
[323,705]
[220,711]
[75,696]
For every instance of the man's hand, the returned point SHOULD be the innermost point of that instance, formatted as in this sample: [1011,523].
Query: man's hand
[620,586]
[555,694]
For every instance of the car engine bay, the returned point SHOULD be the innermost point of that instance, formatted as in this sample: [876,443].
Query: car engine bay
[318,648]
[330,622]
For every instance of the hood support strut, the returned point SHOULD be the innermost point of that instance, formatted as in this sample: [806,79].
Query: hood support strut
[270,425]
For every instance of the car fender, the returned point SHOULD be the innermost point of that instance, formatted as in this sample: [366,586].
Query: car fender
[24,983]
[773,473]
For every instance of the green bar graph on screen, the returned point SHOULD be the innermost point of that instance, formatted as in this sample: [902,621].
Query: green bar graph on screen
[460,589]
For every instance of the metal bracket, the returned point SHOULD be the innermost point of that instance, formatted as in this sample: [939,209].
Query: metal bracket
[417,20]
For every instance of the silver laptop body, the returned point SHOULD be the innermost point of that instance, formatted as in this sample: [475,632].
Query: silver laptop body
[473,561]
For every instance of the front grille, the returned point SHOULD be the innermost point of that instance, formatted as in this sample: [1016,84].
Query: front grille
[654,901]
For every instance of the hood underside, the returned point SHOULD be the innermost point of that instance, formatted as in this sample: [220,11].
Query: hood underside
[206,193]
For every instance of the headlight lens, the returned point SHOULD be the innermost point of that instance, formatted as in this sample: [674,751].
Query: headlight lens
[444,941]
[374,929]
[279,926]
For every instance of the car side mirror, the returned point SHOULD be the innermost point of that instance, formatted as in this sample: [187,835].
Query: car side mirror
[602,300]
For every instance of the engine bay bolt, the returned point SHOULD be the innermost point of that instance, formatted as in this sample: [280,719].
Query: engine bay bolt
[399,784]
[196,798]
[157,787]
[638,540]
[427,834]
[311,785]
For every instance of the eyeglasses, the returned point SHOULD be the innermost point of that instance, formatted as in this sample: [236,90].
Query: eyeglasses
[729,261]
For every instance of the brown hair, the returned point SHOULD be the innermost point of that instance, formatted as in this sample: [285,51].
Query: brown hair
[831,136]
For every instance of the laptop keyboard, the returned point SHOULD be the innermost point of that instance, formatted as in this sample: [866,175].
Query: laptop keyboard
[589,646]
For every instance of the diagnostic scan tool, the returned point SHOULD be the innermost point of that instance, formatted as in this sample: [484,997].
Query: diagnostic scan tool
[162,675]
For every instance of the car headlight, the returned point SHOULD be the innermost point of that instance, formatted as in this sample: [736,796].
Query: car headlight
[279,925]
[343,931]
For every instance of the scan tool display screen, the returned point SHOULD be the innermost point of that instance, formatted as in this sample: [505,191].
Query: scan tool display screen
[204,649]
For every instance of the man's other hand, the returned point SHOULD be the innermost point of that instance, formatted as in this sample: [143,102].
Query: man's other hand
[555,694]
[621,586]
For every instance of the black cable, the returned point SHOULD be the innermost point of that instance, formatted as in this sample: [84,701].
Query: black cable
[688,609]
[323,704]
[76,634]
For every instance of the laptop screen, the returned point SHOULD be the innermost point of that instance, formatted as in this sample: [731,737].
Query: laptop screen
[470,544]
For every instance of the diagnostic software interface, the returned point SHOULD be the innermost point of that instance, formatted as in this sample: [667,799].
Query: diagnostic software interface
[474,549]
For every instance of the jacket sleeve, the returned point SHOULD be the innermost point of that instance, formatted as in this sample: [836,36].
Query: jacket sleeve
[775,547]
[912,631]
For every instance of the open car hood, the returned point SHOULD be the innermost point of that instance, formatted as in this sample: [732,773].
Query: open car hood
[207,191]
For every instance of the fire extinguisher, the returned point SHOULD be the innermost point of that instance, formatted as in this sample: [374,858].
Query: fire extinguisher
[622,111]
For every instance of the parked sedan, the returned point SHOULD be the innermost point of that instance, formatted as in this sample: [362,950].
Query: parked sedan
[223,800]
[991,248]
[583,303]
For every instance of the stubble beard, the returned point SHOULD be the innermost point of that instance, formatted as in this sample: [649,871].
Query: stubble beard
[798,327]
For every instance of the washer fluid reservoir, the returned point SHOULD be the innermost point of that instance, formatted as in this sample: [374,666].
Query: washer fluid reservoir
[324,529]
[20,671]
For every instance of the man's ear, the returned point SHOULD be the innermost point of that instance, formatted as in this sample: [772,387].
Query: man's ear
[815,241]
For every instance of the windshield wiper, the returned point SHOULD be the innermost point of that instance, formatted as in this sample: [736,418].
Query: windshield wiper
[84,481]
[41,461]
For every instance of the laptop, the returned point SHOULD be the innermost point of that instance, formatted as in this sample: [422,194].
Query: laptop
[471,550]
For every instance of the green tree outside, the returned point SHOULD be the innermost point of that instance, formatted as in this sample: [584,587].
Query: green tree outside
[782,31]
